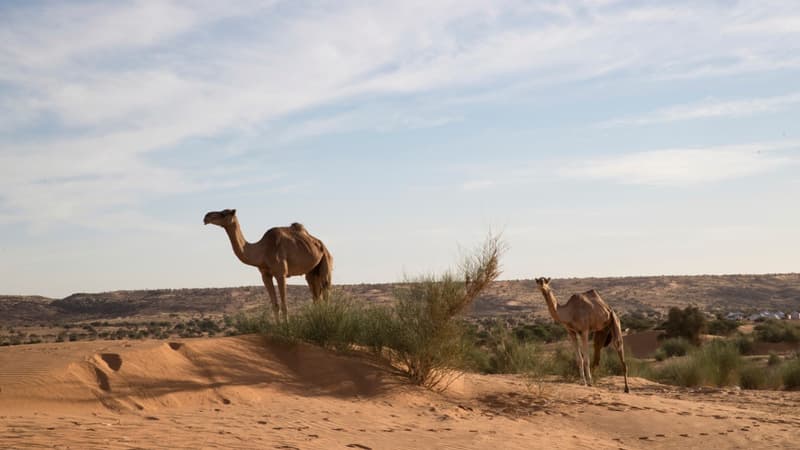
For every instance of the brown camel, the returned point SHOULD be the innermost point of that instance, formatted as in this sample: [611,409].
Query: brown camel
[280,254]
[585,313]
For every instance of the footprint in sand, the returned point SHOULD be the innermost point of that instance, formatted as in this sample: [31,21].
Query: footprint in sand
[358,446]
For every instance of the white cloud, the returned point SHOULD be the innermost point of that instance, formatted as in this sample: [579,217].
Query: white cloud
[710,109]
[686,167]
[116,82]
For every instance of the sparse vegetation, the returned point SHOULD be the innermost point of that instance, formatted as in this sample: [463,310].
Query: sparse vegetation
[420,333]
[672,347]
[723,327]
[791,374]
[636,321]
[777,331]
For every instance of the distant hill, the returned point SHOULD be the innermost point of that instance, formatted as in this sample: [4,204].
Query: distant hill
[518,297]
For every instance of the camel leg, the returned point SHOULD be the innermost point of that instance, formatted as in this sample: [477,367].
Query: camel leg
[578,356]
[585,350]
[599,342]
[313,285]
[621,352]
[267,278]
[281,279]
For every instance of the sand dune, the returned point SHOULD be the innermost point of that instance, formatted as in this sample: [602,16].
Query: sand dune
[243,392]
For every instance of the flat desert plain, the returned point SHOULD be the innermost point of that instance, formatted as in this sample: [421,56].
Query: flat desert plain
[245,392]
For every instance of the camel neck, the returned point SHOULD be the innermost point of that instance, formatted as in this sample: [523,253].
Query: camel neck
[552,303]
[239,244]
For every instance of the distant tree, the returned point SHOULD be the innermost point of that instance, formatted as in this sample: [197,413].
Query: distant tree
[723,327]
[688,323]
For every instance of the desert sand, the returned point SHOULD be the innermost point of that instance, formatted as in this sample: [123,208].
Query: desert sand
[244,392]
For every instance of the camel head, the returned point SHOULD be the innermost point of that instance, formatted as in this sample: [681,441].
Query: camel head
[544,283]
[222,218]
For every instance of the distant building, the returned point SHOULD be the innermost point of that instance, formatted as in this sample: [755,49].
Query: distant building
[734,316]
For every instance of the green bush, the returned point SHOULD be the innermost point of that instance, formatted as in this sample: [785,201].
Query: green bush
[777,331]
[506,353]
[563,363]
[744,344]
[721,362]
[723,327]
[611,365]
[672,347]
[717,363]
[791,374]
[774,359]
[752,377]
[681,372]
[541,332]
[755,376]
[636,321]
[688,323]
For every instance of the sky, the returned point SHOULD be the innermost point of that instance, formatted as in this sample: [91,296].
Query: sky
[600,137]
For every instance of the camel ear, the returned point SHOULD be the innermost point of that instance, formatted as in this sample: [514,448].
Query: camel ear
[547,280]
[233,212]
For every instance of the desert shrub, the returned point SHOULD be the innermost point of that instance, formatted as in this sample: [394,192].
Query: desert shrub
[744,344]
[752,377]
[721,362]
[428,339]
[688,323]
[723,327]
[777,331]
[506,353]
[611,365]
[208,325]
[563,363]
[755,376]
[717,363]
[333,323]
[540,331]
[791,374]
[672,347]
[636,321]
[773,359]
[257,322]
[377,327]
[681,372]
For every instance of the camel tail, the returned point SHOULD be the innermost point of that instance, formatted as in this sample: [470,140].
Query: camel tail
[321,275]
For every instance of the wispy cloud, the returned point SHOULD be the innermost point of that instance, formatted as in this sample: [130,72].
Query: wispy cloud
[709,109]
[94,89]
[687,166]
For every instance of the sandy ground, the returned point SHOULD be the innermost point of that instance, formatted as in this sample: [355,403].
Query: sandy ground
[242,392]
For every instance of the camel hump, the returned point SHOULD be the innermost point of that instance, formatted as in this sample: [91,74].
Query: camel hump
[296,226]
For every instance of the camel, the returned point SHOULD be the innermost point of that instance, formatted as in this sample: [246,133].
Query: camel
[582,314]
[281,253]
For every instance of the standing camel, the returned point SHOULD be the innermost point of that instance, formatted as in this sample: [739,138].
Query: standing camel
[281,253]
[585,313]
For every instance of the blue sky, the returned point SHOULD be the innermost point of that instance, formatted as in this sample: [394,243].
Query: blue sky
[604,138]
